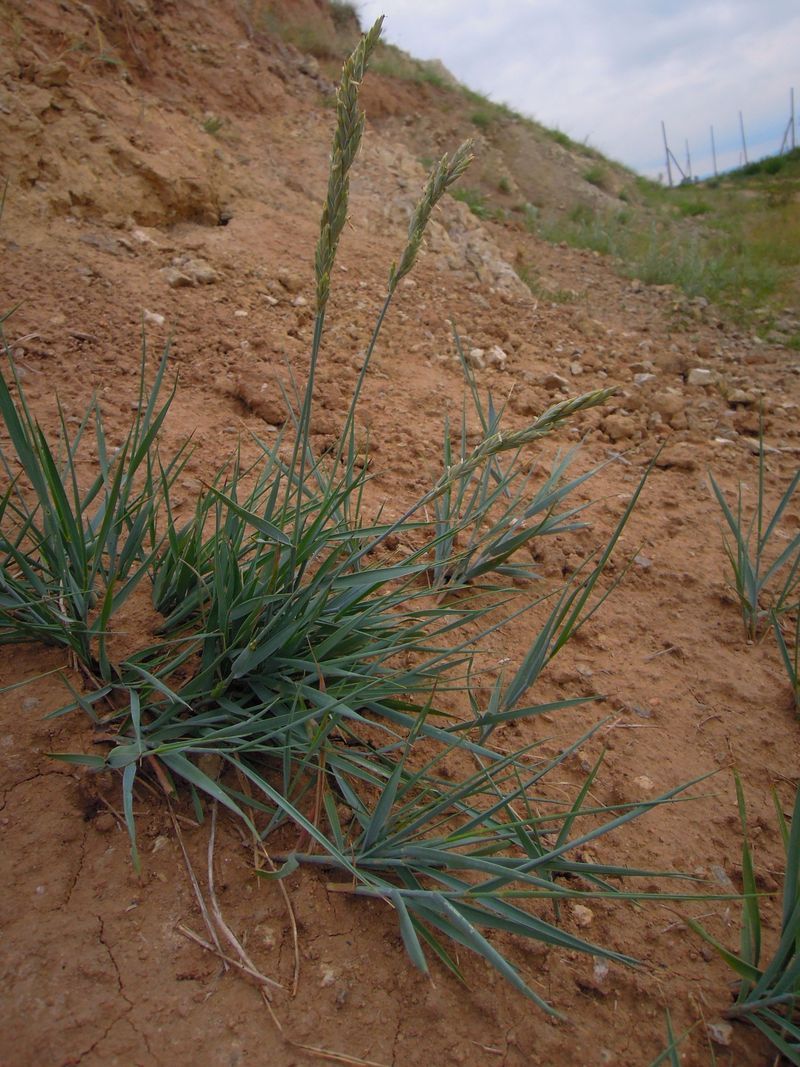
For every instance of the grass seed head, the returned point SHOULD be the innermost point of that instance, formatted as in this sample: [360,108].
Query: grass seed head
[499,442]
[441,177]
[346,142]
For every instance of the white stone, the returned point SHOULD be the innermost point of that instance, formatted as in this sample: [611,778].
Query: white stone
[701,376]
[644,784]
[583,916]
[720,1032]
[496,357]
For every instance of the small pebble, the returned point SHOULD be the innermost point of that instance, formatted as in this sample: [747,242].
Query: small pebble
[720,1032]
[644,784]
[583,916]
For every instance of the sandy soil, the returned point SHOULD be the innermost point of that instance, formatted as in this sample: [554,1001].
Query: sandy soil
[115,190]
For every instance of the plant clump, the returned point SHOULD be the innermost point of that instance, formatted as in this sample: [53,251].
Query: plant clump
[305,647]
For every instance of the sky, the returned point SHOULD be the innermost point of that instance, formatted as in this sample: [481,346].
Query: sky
[609,71]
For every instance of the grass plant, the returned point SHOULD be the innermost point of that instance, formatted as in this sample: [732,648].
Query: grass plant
[301,671]
[486,516]
[789,648]
[212,124]
[597,175]
[537,286]
[769,993]
[670,1055]
[392,62]
[476,202]
[766,579]
[481,119]
[344,14]
[71,557]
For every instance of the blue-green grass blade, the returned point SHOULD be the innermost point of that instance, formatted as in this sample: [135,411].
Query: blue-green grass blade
[288,867]
[790,553]
[473,939]
[744,969]
[80,759]
[437,947]
[774,1030]
[334,821]
[297,817]
[670,1054]
[157,683]
[607,827]
[575,810]
[128,778]
[751,917]
[192,774]
[783,969]
[264,527]
[783,503]
[791,884]
[791,659]
[530,711]
[408,932]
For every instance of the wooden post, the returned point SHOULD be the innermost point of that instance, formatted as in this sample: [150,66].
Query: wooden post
[666,152]
[713,152]
[688,161]
[791,112]
[744,143]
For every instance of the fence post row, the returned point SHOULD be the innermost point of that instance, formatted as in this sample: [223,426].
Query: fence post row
[789,138]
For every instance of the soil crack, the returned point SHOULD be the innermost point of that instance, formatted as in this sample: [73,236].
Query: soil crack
[25,781]
[398,1028]
[107,947]
[123,1014]
[79,869]
[129,1005]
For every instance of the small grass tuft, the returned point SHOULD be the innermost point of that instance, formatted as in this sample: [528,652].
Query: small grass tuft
[768,994]
[597,175]
[766,580]
[212,124]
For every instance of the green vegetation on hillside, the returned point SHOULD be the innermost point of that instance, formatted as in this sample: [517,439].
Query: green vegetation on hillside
[734,240]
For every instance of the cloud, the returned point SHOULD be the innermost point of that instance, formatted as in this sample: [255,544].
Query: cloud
[610,71]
